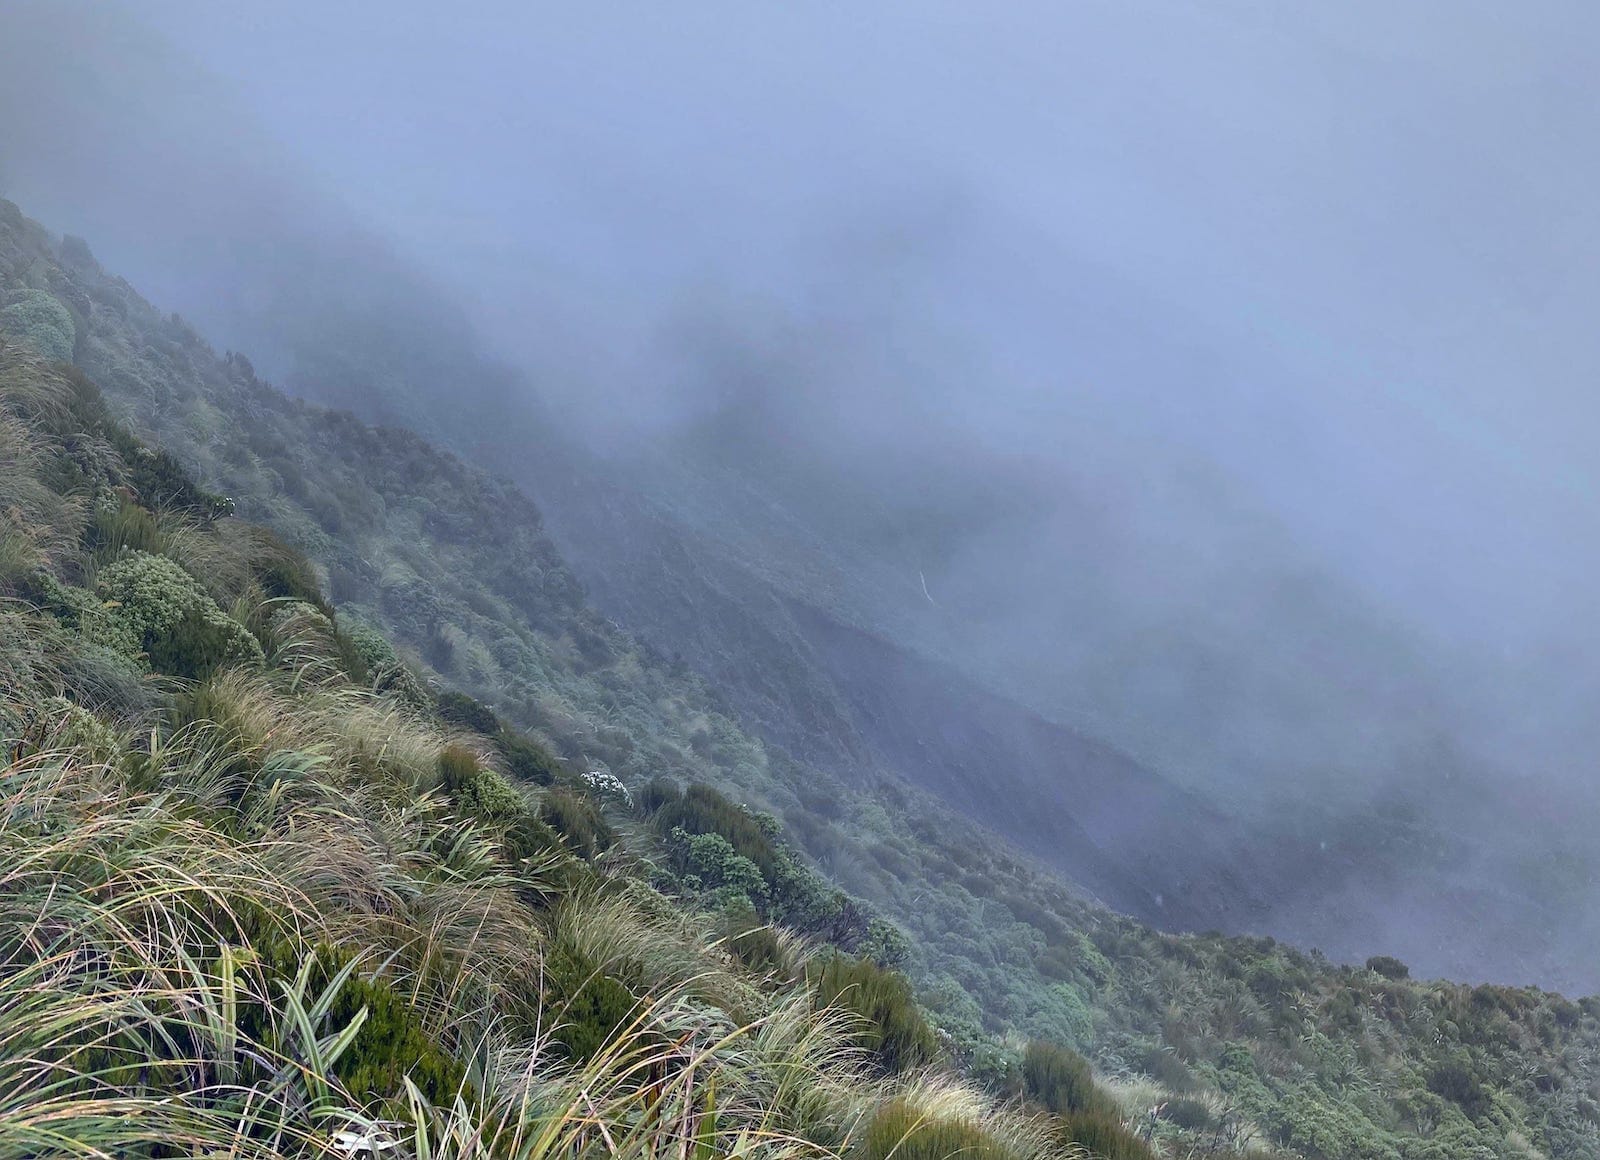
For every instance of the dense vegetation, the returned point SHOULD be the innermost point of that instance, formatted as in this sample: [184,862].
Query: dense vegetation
[261,894]
[283,862]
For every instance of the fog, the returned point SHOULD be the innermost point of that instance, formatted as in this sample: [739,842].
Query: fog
[1216,377]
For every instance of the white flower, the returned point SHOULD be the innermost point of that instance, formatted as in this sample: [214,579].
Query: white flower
[607,785]
[353,1142]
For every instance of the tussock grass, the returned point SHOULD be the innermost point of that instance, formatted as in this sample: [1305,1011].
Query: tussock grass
[162,906]
[143,937]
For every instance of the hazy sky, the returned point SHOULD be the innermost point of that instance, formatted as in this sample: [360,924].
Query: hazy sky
[1371,227]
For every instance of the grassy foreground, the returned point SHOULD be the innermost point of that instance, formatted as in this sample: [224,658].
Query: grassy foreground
[263,892]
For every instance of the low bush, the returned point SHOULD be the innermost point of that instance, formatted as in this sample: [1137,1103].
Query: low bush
[893,1028]
[386,671]
[1188,1113]
[708,862]
[283,572]
[1104,1135]
[902,1131]
[391,1043]
[179,627]
[1061,1080]
[467,712]
[756,945]
[478,791]
[125,527]
[1389,967]
[700,809]
[582,827]
[588,1005]
[527,760]
[1454,1079]
[39,318]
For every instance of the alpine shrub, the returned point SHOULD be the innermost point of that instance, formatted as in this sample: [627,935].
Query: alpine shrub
[756,945]
[387,672]
[1389,967]
[589,1005]
[468,712]
[43,321]
[703,810]
[178,626]
[1104,1135]
[490,798]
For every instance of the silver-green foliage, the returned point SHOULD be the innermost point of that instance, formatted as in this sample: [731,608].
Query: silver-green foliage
[390,674]
[711,863]
[39,318]
[80,609]
[490,797]
[177,625]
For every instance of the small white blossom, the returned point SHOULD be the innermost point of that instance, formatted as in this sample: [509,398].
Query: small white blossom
[607,785]
[353,1142]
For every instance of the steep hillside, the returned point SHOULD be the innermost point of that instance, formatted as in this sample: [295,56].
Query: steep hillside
[1092,813]
[1216,1045]
[1397,868]
[265,895]
[847,700]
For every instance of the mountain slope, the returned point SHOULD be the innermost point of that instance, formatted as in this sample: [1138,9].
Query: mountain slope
[1272,1044]
[266,896]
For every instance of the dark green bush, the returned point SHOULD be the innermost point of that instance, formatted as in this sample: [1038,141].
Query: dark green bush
[458,767]
[528,837]
[160,481]
[899,1131]
[1454,1079]
[753,943]
[884,943]
[578,820]
[387,673]
[702,810]
[478,792]
[1389,967]
[528,761]
[894,1029]
[658,793]
[1061,1080]
[352,662]
[390,1044]
[283,572]
[1165,1066]
[708,862]
[124,528]
[193,647]
[469,713]
[1058,962]
[587,1006]
[489,797]
[1188,1113]
[1105,1135]
[174,622]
